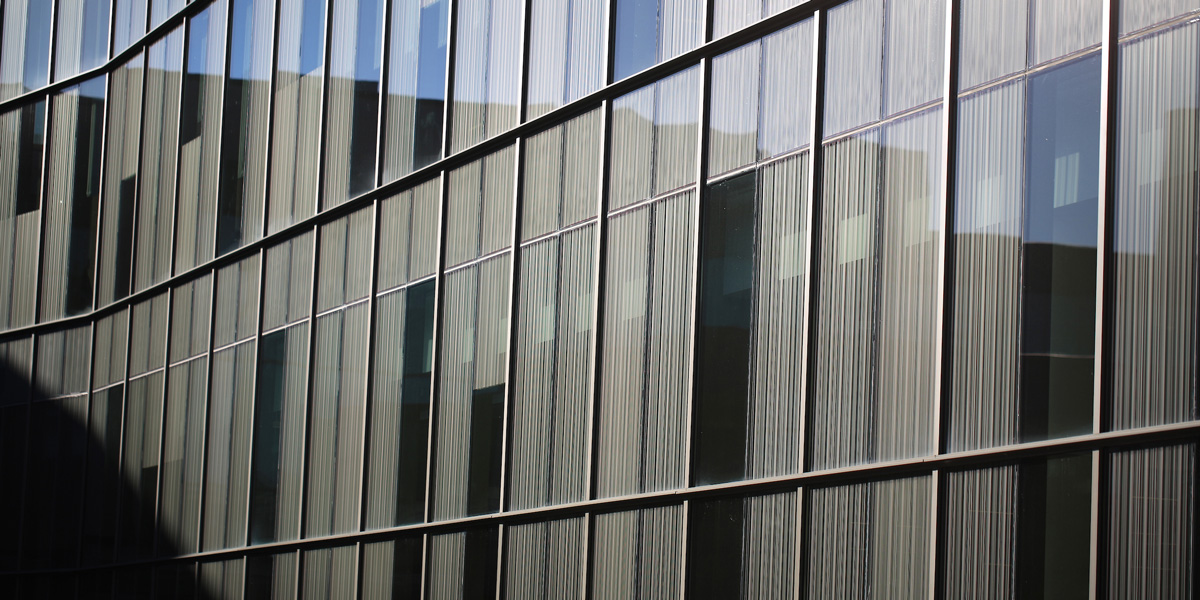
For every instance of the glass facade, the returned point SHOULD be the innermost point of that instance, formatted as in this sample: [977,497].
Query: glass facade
[599,298]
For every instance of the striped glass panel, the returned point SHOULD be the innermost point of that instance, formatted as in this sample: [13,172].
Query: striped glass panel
[743,547]
[352,114]
[651,31]
[160,148]
[272,576]
[399,422]
[981,534]
[1138,14]
[129,23]
[200,137]
[227,466]
[761,99]
[139,466]
[81,36]
[53,485]
[120,181]
[296,120]
[25,46]
[1151,523]
[222,579]
[109,352]
[869,540]
[416,86]
[561,181]
[408,235]
[654,139]
[987,271]
[646,348]
[148,335]
[638,554]
[1157,231]
[161,10]
[553,383]
[993,40]
[470,406]
[72,198]
[480,210]
[330,573]
[775,419]
[1060,27]
[731,15]
[277,457]
[566,60]
[183,457]
[103,479]
[22,145]
[914,53]
[392,569]
[335,426]
[854,65]
[236,299]
[287,282]
[15,359]
[462,565]
[487,68]
[62,362]
[344,264]
[243,170]
[191,310]
[545,560]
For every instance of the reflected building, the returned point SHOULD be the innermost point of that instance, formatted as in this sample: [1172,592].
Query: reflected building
[599,298]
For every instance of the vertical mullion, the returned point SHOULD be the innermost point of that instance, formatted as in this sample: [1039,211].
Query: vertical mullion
[683,547]
[697,231]
[448,115]
[369,367]
[273,86]
[258,317]
[599,263]
[309,376]
[798,566]
[385,65]
[935,509]
[501,546]
[945,249]
[436,367]
[814,222]
[514,272]
[162,414]
[523,76]
[322,117]
[52,48]
[173,251]
[208,394]
[86,426]
[1105,217]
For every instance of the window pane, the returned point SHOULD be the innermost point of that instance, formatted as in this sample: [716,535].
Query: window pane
[295,138]
[463,565]
[160,147]
[392,569]
[277,460]
[654,132]
[227,467]
[244,128]
[566,57]
[81,36]
[200,130]
[25,49]
[645,377]
[72,199]
[545,560]
[471,395]
[1154,316]
[399,426]
[416,94]
[352,114]
[487,70]
[638,554]
[120,181]
[743,548]
[22,146]
[479,215]
[651,31]
[1151,523]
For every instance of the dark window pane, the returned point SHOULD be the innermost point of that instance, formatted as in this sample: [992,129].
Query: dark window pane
[723,357]
[715,549]
[276,459]
[1058,316]
[1054,523]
